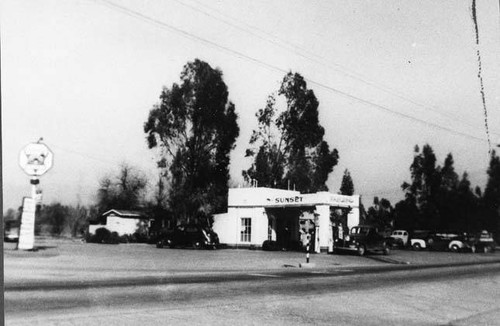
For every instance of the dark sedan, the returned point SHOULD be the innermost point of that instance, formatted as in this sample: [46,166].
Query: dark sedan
[189,236]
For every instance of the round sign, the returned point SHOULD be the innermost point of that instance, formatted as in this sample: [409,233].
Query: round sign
[36,159]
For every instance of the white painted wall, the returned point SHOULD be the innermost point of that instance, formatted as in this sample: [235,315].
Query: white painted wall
[119,225]
[225,225]
[228,226]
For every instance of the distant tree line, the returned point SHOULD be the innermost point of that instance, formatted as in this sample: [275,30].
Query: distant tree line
[437,198]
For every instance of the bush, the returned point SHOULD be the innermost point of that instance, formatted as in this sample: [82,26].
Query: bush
[103,235]
[140,237]
[270,245]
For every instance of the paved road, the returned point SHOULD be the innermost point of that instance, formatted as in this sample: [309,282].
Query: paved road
[467,295]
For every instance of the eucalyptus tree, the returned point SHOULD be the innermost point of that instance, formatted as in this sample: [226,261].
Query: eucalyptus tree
[288,148]
[194,126]
[491,196]
[347,185]
[423,190]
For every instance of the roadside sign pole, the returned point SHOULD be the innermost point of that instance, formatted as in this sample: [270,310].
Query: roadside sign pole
[307,254]
[35,159]
[308,237]
[34,186]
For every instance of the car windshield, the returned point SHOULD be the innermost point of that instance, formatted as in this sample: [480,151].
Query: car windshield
[360,230]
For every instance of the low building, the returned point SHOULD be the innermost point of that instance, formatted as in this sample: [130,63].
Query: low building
[258,214]
[122,222]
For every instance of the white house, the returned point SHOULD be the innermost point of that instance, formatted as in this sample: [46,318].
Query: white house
[258,214]
[122,222]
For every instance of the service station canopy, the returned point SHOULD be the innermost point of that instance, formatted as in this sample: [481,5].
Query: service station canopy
[267,197]
[36,159]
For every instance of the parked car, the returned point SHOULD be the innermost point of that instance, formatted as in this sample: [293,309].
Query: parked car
[188,236]
[363,239]
[419,239]
[440,241]
[483,242]
[462,243]
[11,231]
[398,238]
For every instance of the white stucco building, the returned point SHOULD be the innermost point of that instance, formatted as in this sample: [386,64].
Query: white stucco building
[121,221]
[258,214]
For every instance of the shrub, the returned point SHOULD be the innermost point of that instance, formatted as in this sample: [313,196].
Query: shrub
[103,235]
[270,245]
[140,237]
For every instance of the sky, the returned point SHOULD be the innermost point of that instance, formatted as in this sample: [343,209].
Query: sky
[389,75]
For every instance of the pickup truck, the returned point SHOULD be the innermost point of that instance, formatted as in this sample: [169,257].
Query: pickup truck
[363,239]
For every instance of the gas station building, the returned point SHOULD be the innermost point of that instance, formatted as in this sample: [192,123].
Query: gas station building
[258,214]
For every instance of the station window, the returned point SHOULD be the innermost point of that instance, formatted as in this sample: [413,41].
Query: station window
[246,229]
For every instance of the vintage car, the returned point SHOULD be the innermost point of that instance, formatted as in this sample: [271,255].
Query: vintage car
[440,241]
[11,231]
[363,239]
[483,242]
[437,241]
[398,238]
[462,243]
[188,236]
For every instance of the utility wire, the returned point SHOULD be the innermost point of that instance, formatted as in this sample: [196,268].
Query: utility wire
[479,74]
[161,24]
[90,157]
[315,57]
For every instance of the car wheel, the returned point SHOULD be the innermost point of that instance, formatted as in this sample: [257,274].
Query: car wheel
[159,244]
[487,249]
[361,250]
[454,248]
[197,245]
[417,246]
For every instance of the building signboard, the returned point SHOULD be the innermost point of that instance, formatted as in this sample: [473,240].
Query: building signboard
[27,229]
[36,159]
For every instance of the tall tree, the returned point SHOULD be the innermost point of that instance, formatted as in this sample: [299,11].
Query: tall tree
[438,199]
[466,207]
[447,198]
[125,190]
[422,192]
[449,178]
[347,185]
[288,146]
[195,128]
[381,214]
[491,196]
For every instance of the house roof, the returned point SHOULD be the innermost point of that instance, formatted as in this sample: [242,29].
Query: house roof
[124,213]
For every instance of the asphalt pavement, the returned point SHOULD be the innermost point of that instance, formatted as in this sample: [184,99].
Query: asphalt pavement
[73,263]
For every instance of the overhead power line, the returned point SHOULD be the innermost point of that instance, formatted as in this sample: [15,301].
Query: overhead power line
[85,155]
[163,25]
[479,73]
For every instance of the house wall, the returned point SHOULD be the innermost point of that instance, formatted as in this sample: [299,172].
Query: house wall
[117,224]
[229,226]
